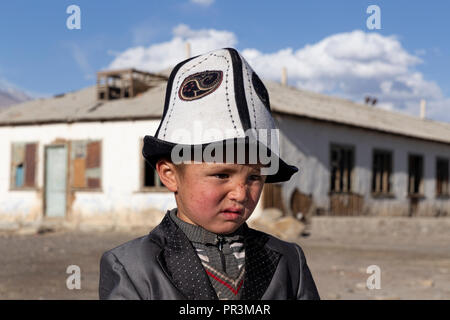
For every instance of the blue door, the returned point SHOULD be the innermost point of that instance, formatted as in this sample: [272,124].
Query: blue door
[55,181]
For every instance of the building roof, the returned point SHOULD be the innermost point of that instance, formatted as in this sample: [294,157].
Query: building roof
[82,105]
[289,100]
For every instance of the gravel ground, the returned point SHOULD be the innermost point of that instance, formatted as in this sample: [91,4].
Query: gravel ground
[407,272]
[34,266]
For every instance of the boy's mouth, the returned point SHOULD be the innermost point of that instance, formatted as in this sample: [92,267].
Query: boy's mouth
[233,212]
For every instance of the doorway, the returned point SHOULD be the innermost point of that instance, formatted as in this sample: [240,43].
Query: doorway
[55,181]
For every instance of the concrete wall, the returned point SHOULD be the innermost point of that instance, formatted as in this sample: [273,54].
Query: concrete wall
[120,200]
[306,143]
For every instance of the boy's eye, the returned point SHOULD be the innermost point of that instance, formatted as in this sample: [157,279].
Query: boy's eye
[255,177]
[221,175]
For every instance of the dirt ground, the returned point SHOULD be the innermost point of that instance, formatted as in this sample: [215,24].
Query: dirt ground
[34,266]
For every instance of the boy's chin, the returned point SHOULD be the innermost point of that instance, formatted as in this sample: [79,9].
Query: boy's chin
[228,227]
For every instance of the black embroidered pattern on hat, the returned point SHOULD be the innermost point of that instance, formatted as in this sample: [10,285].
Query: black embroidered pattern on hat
[261,90]
[200,84]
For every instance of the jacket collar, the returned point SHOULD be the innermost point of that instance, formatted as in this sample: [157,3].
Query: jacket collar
[181,263]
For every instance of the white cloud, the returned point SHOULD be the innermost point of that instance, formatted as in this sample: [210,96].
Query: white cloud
[203,2]
[352,65]
[166,54]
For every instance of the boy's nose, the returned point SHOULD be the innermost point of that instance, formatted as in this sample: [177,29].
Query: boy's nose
[239,192]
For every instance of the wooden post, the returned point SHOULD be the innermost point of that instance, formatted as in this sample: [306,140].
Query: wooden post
[131,85]
[188,50]
[284,79]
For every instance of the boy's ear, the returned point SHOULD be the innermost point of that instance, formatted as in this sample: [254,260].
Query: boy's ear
[167,174]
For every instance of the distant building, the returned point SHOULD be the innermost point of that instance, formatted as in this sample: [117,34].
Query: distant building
[76,157]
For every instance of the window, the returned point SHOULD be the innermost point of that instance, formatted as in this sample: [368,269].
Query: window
[381,171]
[86,164]
[415,174]
[442,177]
[23,165]
[342,161]
[151,177]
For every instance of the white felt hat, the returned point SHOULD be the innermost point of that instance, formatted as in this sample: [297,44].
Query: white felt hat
[212,98]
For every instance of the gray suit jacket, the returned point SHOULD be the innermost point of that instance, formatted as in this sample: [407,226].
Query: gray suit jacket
[164,266]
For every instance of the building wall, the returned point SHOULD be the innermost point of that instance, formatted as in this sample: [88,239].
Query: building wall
[120,196]
[121,201]
[306,143]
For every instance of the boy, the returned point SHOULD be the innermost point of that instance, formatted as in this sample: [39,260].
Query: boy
[216,113]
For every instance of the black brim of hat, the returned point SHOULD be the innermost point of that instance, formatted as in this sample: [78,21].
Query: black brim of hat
[154,149]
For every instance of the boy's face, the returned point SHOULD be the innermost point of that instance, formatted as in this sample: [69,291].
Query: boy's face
[220,197]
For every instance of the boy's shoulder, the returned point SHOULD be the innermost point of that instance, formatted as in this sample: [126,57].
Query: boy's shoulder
[153,242]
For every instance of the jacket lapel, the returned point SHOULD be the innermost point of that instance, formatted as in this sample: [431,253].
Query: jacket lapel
[260,265]
[183,265]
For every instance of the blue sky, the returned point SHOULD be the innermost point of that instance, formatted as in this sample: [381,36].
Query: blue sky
[42,57]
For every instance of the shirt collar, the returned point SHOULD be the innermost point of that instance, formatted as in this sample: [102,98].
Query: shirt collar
[200,235]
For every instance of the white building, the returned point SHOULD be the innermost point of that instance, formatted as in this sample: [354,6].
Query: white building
[76,158]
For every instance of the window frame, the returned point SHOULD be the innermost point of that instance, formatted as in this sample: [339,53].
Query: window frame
[420,193]
[347,147]
[12,184]
[383,193]
[72,173]
[142,187]
[447,193]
